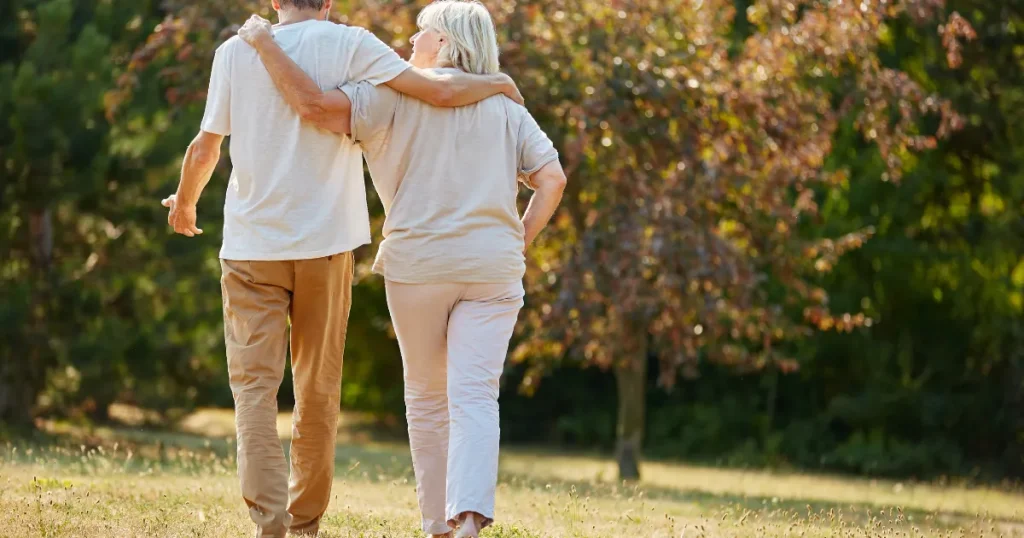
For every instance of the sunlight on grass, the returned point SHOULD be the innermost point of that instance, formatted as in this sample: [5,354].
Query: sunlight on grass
[127,482]
[778,487]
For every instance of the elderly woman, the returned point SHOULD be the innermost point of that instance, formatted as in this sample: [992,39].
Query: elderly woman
[453,249]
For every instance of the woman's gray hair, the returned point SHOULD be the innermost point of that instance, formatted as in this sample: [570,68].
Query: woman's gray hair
[470,41]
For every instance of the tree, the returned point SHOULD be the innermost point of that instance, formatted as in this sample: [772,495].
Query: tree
[693,163]
[51,95]
[697,143]
[91,312]
[937,385]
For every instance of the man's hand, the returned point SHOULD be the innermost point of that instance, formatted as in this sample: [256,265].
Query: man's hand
[181,218]
[256,29]
[511,90]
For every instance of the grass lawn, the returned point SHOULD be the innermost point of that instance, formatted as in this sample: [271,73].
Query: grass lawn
[130,482]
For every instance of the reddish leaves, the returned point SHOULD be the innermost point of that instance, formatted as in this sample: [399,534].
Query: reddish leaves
[693,157]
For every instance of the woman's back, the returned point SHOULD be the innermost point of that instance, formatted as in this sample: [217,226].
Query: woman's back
[448,180]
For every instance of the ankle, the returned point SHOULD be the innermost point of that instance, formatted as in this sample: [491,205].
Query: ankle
[470,521]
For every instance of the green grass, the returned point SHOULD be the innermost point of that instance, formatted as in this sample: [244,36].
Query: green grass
[129,482]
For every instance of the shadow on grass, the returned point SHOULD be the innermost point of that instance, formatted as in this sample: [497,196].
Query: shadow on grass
[349,525]
[117,450]
[734,505]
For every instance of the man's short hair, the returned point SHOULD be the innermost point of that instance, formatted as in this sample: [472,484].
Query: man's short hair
[304,4]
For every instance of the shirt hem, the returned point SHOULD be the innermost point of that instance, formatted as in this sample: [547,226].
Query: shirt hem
[442,280]
[238,255]
[212,128]
[543,162]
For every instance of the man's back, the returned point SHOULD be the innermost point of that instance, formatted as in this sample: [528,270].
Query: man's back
[295,192]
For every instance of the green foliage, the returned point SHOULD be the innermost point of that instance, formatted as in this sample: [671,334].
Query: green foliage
[721,210]
[95,308]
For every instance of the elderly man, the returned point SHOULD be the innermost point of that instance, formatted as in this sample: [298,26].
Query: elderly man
[295,209]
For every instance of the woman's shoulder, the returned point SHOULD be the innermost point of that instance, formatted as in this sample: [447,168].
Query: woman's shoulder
[505,106]
[518,115]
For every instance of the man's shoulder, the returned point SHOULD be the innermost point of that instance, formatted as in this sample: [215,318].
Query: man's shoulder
[315,29]
[331,30]
[231,45]
[234,52]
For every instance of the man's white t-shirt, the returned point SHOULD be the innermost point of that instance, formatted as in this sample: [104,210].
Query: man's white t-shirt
[295,192]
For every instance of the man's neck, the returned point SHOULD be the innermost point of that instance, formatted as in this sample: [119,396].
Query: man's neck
[292,16]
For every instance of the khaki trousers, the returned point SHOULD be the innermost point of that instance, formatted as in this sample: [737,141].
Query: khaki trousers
[260,298]
[454,338]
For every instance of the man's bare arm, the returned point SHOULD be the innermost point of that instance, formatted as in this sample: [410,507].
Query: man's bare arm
[548,182]
[331,110]
[200,160]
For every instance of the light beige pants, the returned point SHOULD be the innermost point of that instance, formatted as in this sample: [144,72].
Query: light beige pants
[260,297]
[454,338]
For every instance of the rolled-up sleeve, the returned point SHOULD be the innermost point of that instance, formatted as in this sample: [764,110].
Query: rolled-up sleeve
[535,148]
[373,108]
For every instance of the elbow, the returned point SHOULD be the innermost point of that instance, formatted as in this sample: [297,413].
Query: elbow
[312,107]
[442,96]
[559,181]
[309,111]
[552,182]
[204,157]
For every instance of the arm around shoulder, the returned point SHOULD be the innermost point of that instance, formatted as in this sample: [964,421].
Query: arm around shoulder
[327,110]
[452,89]
[332,111]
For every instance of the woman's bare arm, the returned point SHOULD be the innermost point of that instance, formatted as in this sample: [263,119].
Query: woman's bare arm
[548,182]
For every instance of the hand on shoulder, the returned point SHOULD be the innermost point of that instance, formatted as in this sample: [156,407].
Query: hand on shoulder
[256,29]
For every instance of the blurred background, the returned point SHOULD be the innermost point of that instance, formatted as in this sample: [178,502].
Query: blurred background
[793,233]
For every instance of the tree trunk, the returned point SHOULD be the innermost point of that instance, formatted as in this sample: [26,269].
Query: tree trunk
[1014,380]
[16,396]
[21,378]
[773,400]
[631,380]
[40,226]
